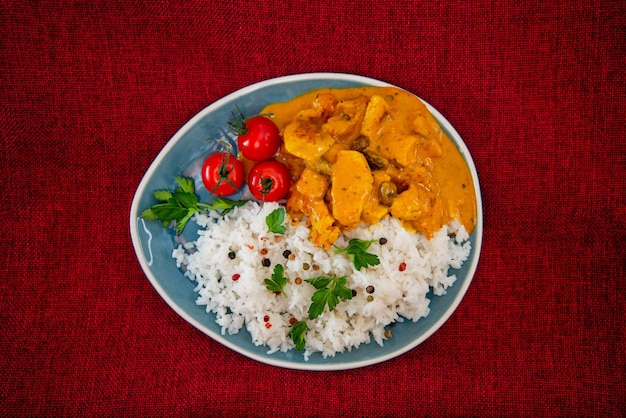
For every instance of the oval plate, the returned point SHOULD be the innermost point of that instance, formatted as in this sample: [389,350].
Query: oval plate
[183,155]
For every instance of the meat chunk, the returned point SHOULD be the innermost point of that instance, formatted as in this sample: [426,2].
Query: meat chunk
[374,210]
[307,199]
[376,110]
[344,125]
[312,184]
[420,208]
[305,140]
[351,186]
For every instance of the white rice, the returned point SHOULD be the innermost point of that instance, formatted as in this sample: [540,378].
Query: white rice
[397,295]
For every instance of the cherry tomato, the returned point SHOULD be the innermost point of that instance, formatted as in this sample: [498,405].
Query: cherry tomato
[222,174]
[269,180]
[260,139]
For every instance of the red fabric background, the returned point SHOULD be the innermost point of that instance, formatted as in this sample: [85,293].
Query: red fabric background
[90,92]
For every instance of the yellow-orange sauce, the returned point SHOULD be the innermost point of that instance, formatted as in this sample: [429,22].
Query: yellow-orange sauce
[359,154]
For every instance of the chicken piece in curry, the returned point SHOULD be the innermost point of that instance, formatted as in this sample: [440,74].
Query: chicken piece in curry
[360,154]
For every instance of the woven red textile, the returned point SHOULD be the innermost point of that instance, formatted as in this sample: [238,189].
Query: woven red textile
[91,91]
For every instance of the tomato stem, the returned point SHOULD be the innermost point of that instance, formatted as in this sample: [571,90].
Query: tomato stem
[266,185]
[238,122]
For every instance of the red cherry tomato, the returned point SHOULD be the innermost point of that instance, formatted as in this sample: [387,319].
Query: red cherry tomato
[260,139]
[269,180]
[222,174]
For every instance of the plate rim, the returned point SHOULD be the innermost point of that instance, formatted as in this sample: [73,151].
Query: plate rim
[134,225]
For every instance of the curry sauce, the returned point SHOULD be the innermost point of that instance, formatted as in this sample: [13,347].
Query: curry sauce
[360,154]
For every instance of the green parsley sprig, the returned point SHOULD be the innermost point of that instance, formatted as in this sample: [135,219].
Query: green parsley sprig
[275,221]
[357,251]
[277,282]
[329,291]
[297,333]
[180,205]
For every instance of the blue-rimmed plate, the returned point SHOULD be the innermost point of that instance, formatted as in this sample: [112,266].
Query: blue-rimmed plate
[183,155]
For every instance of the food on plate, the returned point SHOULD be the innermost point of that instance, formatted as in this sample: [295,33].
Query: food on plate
[374,151]
[178,206]
[269,181]
[222,174]
[258,138]
[235,260]
[357,215]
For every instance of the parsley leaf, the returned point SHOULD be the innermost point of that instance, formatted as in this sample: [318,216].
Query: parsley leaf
[226,205]
[329,291]
[278,280]
[186,184]
[163,195]
[297,333]
[357,251]
[275,221]
[186,199]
